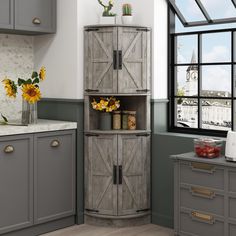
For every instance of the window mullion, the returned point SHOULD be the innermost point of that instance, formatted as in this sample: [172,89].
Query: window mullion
[199,80]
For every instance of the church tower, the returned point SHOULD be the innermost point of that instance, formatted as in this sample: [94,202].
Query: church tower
[192,77]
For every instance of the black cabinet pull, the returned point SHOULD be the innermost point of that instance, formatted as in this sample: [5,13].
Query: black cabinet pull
[120,60]
[91,90]
[114,174]
[115,60]
[143,29]
[120,174]
[91,210]
[143,90]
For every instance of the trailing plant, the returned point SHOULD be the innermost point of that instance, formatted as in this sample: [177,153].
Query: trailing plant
[127,9]
[107,8]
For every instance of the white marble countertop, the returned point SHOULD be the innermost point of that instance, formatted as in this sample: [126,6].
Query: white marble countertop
[41,126]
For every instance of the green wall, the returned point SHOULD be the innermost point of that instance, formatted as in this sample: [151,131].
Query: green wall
[164,144]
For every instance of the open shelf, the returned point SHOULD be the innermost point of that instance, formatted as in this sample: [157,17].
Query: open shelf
[140,104]
[118,132]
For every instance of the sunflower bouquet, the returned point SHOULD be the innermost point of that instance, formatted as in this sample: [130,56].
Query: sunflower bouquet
[106,104]
[30,89]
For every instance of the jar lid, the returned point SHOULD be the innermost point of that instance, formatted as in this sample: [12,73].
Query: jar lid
[116,112]
[125,112]
[132,112]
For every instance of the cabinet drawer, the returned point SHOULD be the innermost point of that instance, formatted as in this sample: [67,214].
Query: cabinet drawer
[202,174]
[200,224]
[203,199]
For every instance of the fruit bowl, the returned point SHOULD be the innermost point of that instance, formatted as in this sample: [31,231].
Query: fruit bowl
[207,147]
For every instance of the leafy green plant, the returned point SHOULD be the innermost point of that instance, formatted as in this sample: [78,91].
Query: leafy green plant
[107,8]
[5,120]
[127,9]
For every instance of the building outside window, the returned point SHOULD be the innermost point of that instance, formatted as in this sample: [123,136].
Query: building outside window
[202,67]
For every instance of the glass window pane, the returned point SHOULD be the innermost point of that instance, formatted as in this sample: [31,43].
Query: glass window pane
[234,115]
[187,49]
[234,85]
[216,81]
[190,10]
[216,47]
[216,114]
[187,80]
[218,9]
[186,113]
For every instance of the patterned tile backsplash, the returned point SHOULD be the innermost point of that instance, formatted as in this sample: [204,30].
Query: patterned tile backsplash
[16,61]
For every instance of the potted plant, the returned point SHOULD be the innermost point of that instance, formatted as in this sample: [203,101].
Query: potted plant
[107,16]
[127,17]
[105,106]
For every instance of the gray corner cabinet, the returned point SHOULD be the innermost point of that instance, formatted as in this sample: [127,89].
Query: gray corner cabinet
[28,16]
[205,196]
[37,179]
[117,162]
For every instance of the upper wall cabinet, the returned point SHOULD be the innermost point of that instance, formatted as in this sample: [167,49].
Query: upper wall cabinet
[35,15]
[6,14]
[28,16]
[117,59]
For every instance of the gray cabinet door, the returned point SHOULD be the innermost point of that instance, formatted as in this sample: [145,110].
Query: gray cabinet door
[6,14]
[100,74]
[134,189]
[16,182]
[54,175]
[134,48]
[100,189]
[35,15]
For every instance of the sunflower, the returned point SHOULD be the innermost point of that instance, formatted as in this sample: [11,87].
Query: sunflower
[42,73]
[31,93]
[10,87]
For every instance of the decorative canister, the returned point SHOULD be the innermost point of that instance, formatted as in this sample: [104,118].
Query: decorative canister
[125,119]
[117,120]
[105,121]
[132,120]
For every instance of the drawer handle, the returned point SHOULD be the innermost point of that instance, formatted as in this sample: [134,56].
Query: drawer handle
[203,217]
[202,167]
[36,21]
[9,149]
[203,192]
[55,143]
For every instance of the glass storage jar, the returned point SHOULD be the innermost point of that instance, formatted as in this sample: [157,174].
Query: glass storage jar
[125,119]
[132,120]
[116,120]
[208,147]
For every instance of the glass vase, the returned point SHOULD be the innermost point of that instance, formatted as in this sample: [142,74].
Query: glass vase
[29,113]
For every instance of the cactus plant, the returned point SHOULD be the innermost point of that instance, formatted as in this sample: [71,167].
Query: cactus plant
[107,8]
[127,10]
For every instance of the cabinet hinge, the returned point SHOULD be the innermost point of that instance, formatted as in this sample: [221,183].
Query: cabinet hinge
[143,210]
[91,210]
[92,135]
[91,29]
[143,29]
[142,135]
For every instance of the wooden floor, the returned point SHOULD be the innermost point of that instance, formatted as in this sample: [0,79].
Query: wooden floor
[88,230]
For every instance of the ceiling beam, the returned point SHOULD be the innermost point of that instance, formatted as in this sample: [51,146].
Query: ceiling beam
[178,13]
[204,11]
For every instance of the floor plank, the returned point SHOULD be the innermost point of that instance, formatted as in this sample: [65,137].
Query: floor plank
[89,230]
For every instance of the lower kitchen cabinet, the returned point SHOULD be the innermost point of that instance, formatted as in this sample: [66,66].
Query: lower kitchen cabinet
[37,179]
[117,174]
[54,176]
[16,183]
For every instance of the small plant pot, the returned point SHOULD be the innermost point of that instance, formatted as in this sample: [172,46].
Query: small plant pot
[127,20]
[107,20]
[105,121]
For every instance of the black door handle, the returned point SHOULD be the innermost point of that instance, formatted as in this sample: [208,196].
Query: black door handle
[114,174]
[120,60]
[91,90]
[120,175]
[115,60]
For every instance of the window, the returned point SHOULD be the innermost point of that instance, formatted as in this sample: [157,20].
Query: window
[202,71]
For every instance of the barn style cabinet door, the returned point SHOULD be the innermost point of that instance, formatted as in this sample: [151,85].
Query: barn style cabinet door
[101,59]
[134,174]
[134,60]
[100,161]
